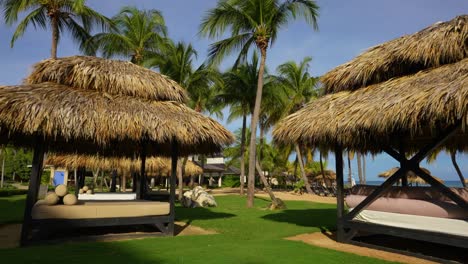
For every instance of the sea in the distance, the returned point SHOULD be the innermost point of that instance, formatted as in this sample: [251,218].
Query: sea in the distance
[447,183]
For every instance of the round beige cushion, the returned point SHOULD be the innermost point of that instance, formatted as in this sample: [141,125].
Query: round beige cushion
[61,190]
[85,188]
[51,199]
[89,191]
[70,199]
[81,191]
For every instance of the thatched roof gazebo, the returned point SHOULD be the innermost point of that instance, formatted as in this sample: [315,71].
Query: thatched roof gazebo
[407,97]
[88,105]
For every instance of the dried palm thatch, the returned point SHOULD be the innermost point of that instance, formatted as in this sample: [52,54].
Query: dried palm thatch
[411,108]
[108,76]
[155,166]
[439,44]
[88,121]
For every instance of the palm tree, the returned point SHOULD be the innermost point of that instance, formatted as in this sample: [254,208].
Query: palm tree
[457,168]
[137,35]
[58,15]
[201,83]
[252,24]
[300,86]
[238,93]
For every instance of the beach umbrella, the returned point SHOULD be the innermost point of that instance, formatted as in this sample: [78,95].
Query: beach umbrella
[412,177]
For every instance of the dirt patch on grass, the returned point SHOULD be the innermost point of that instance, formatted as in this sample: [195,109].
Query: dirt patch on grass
[327,240]
[10,234]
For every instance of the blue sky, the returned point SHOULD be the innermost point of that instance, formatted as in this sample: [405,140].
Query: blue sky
[346,28]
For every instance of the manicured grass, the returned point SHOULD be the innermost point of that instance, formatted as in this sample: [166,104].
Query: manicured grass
[245,236]
[12,209]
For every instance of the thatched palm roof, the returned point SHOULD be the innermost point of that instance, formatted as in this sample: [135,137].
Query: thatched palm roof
[412,108]
[439,44]
[155,166]
[108,76]
[88,121]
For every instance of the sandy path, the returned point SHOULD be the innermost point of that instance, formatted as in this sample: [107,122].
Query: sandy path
[283,195]
[327,241]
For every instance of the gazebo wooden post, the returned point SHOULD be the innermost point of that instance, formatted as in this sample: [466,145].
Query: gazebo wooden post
[114,181]
[174,158]
[34,182]
[339,193]
[142,187]
[404,178]
[134,181]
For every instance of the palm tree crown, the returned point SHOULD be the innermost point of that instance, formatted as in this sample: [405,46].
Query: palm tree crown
[58,15]
[252,22]
[138,35]
[297,82]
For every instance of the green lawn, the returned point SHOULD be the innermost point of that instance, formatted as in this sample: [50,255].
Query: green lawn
[246,236]
[12,209]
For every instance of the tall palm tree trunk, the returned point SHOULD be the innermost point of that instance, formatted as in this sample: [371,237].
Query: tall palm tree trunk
[242,156]
[301,166]
[55,29]
[265,183]
[321,168]
[180,173]
[359,164]
[350,176]
[455,164]
[253,133]
[364,169]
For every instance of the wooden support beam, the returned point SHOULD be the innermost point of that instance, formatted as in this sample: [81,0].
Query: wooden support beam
[142,171]
[34,182]
[376,194]
[393,153]
[437,142]
[339,192]
[441,187]
[174,159]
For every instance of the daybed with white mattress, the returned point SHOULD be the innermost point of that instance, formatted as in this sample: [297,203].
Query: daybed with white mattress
[103,213]
[411,212]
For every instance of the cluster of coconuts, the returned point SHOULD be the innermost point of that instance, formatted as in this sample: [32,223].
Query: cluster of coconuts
[86,190]
[60,195]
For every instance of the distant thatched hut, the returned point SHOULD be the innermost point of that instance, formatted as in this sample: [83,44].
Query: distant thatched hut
[405,96]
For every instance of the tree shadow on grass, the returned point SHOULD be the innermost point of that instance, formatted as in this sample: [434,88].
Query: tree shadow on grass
[199,213]
[325,219]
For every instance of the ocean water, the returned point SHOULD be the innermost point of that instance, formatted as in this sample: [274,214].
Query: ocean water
[447,183]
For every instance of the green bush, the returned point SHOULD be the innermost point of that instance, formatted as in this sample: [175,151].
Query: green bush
[231,181]
[11,192]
